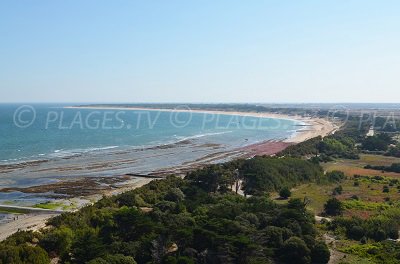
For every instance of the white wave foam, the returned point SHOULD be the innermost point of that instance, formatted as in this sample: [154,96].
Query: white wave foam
[183,138]
[177,139]
[60,153]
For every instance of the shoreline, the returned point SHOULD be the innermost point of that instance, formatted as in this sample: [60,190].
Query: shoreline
[311,127]
[34,221]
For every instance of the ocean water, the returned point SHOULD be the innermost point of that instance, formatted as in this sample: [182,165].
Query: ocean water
[42,143]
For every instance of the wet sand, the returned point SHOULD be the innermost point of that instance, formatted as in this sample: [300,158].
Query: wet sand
[98,186]
[35,221]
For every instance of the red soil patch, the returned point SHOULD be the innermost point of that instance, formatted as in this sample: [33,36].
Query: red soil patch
[266,148]
[363,214]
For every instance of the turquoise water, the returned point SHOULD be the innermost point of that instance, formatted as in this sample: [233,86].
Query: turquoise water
[58,131]
[80,142]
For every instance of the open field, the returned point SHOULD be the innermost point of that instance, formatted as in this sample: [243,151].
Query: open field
[317,194]
[356,167]
[361,196]
[362,200]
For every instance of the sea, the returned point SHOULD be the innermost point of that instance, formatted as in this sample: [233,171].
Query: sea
[44,143]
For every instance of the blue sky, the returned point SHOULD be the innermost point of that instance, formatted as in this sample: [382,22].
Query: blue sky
[199,51]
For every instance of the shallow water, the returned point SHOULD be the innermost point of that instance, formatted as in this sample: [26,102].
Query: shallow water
[40,144]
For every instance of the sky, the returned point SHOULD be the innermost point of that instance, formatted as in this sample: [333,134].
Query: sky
[272,51]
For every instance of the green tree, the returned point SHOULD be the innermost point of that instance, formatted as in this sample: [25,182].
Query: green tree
[295,250]
[87,246]
[333,207]
[59,241]
[320,253]
[335,176]
[356,232]
[113,259]
[285,193]
[23,254]
[174,195]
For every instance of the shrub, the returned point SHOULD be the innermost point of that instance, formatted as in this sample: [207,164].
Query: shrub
[59,241]
[379,235]
[338,190]
[23,254]
[295,250]
[333,207]
[335,176]
[174,195]
[320,253]
[285,193]
[385,189]
[356,232]
[354,197]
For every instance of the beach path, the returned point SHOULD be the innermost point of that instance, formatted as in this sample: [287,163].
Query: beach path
[32,221]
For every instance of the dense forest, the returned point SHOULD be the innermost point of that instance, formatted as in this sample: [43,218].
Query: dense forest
[199,219]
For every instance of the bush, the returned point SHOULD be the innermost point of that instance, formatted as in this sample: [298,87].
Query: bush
[356,232]
[335,176]
[379,235]
[174,195]
[59,241]
[385,189]
[333,207]
[379,142]
[354,197]
[320,253]
[295,250]
[285,193]
[23,254]
[338,190]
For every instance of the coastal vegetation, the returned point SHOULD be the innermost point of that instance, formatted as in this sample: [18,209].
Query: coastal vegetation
[342,144]
[395,167]
[336,195]
[198,219]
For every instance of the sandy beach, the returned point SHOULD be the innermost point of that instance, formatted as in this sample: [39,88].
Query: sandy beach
[311,127]
[35,221]
[32,221]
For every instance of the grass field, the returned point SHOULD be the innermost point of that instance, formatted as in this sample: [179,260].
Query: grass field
[362,200]
[360,196]
[354,167]
[12,210]
[317,194]
[56,205]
